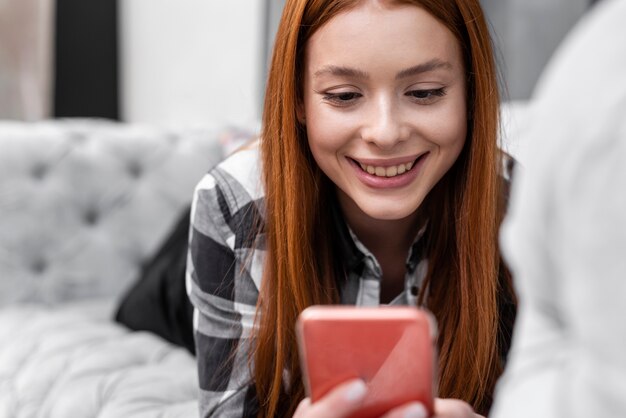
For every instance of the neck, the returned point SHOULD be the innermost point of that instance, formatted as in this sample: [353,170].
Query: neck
[381,235]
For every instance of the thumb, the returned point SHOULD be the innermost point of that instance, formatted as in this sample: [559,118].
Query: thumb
[341,401]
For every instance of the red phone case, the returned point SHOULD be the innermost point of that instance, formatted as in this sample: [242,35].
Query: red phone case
[390,348]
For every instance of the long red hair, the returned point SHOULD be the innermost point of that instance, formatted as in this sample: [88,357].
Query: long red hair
[464,211]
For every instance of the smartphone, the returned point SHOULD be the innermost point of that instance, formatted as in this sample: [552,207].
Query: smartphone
[391,348]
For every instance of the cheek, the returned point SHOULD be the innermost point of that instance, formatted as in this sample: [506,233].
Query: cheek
[449,131]
[317,131]
[320,142]
[327,131]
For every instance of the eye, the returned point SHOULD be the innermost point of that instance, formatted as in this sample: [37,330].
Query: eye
[426,96]
[342,98]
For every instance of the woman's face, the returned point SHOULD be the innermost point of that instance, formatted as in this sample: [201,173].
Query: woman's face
[384,106]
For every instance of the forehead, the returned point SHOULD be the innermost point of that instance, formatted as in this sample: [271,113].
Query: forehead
[375,33]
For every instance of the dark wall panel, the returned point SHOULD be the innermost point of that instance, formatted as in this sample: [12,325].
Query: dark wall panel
[86,63]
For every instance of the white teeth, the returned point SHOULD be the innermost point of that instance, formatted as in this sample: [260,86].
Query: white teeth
[390,171]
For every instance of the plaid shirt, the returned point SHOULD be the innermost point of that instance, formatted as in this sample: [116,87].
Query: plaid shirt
[224,272]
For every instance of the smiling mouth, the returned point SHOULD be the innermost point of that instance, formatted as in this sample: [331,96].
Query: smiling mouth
[389,171]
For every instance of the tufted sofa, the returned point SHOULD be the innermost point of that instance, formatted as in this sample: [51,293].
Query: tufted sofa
[83,205]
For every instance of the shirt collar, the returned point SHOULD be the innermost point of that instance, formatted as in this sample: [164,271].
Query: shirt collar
[353,251]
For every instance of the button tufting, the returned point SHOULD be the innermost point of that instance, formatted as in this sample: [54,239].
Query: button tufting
[39,266]
[91,217]
[39,171]
[135,169]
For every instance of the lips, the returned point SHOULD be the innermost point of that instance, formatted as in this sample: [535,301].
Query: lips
[388,173]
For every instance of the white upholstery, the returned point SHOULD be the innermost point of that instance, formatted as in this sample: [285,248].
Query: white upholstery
[83,203]
[74,362]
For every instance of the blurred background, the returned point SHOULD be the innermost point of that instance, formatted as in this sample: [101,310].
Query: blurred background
[189,62]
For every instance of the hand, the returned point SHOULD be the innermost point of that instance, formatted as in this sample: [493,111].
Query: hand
[347,398]
[453,408]
[444,408]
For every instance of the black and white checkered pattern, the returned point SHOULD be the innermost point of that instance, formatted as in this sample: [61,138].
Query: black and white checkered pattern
[224,271]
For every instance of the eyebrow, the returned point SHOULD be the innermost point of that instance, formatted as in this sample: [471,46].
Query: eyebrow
[434,64]
[341,72]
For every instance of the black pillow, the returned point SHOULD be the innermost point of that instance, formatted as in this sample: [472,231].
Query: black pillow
[158,301]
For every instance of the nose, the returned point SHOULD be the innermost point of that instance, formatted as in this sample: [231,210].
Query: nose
[383,126]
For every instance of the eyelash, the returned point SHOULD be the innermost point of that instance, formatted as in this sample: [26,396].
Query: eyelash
[335,98]
[430,94]
[419,96]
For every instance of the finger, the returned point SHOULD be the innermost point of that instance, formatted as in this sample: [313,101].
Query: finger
[453,408]
[303,407]
[341,401]
[410,410]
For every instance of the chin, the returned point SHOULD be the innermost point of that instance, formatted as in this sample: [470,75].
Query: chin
[388,212]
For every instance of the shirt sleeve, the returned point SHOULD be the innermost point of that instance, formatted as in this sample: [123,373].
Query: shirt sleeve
[224,300]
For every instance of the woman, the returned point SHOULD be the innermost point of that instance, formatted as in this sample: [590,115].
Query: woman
[380,184]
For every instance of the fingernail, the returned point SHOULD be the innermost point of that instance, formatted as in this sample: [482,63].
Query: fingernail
[416,410]
[356,391]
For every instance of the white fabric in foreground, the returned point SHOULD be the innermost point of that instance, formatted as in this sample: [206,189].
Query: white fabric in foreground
[565,235]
